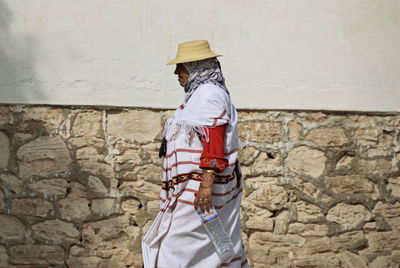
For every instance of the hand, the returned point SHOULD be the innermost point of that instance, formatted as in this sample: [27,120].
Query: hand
[203,199]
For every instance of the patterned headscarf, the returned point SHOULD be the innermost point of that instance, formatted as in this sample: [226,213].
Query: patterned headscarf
[201,72]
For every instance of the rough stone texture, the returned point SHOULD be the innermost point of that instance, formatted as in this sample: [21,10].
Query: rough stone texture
[87,124]
[11,183]
[4,150]
[394,186]
[351,260]
[79,187]
[11,228]
[44,156]
[349,184]
[36,254]
[31,206]
[56,231]
[349,216]
[261,131]
[76,209]
[390,212]
[3,257]
[308,213]
[57,187]
[2,201]
[139,125]
[104,207]
[305,160]
[96,185]
[327,136]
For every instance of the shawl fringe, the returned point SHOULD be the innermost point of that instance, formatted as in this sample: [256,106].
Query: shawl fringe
[191,130]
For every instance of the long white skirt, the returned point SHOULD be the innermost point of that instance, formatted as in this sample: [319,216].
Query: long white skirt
[177,238]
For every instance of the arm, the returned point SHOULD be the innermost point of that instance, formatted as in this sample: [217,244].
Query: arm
[212,161]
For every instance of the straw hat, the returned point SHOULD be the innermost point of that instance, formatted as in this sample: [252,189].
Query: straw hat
[192,51]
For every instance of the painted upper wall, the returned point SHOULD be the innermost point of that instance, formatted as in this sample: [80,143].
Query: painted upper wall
[303,54]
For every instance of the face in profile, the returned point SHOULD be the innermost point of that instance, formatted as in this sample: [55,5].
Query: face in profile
[182,74]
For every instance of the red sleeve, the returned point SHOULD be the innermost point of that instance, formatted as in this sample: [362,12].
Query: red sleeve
[213,156]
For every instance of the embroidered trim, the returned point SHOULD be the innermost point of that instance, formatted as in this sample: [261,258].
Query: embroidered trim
[214,163]
[187,163]
[194,176]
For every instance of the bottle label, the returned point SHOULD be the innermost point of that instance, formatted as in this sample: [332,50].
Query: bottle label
[208,217]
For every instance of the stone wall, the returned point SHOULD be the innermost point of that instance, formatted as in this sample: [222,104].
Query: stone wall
[79,187]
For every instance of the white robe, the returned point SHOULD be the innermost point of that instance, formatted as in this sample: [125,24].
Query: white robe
[177,238]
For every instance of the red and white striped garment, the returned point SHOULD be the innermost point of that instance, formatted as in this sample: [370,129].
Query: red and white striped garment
[177,238]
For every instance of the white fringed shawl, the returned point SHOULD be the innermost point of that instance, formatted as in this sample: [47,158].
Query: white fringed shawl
[209,106]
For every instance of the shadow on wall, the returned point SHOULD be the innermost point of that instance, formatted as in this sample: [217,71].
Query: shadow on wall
[18,83]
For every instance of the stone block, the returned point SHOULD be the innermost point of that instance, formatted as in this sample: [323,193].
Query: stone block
[247,155]
[112,235]
[346,241]
[265,162]
[271,197]
[139,190]
[36,254]
[308,229]
[349,184]
[87,124]
[260,131]
[56,231]
[77,190]
[56,187]
[305,187]
[317,261]
[329,137]
[349,216]
[96,185]
[74,209]
[381,241]
[131,206]
[4,150]
[394,186]
[76,250]
[51,119]
[351,260]
[367,136]
[37,207]
[93,262]
[295,130]
[97,168]
[308,213]
[390,213]
[3,257]
[2,201]
[104,207]
[5,115]
[344,162]
[373,166]
[85,142]
[12,183]
[139,125]
[44,156]
[89,154]
[12,228]
[305,160]
[275,240]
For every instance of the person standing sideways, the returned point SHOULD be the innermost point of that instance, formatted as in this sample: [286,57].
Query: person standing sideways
[200,170]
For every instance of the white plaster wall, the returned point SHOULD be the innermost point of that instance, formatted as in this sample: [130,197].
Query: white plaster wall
[286,54]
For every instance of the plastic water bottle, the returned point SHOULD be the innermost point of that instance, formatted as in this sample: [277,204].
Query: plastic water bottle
[215,230]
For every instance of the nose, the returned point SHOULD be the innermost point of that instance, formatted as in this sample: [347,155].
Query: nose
[176,70]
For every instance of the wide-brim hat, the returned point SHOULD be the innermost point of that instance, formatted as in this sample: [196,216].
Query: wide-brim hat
[193,51]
